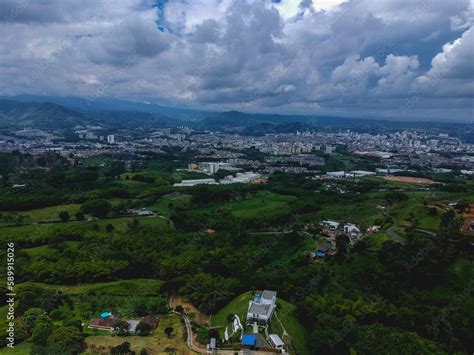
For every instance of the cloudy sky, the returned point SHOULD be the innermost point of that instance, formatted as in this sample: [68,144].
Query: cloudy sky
[367,58]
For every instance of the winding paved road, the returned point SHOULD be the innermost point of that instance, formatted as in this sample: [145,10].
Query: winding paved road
[190,341]
[392,232]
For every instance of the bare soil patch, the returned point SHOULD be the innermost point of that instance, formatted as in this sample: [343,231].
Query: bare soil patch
[409,180]
[191,311]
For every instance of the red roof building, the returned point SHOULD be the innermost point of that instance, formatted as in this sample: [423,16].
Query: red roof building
[103,323]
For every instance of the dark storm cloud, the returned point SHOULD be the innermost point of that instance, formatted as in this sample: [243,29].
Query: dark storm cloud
[355,56]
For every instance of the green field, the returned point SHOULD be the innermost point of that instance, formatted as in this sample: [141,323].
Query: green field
[167,203]
[144,287]
[23,348]
[376,240]
[46,230]
[51,213]
[418,216]
[41,251]
[364,213]
[264,205]
[391,185]
[415,210]
[140,189]
[160,176]
[97,160]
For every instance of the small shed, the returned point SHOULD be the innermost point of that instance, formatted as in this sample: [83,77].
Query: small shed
[213,343]
[254,341]
[275,341]
[323,249]
[249,340]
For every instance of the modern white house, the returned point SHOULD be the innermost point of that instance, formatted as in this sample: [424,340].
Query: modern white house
[336,174]
[331,225]
[261,307]
[352,230]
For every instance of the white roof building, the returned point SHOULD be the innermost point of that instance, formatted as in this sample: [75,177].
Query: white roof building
[261,307]
[336,174]
[351,228]
[332,225]
[360,173]
[240,178]
[276,341]
[195,182]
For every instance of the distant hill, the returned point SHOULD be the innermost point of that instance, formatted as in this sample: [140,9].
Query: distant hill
[96,104]
[135,120]
[54,117]
[275,123]
[44,115]
[258,124]
[232,119]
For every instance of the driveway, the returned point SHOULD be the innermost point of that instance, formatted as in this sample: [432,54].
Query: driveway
[392,232]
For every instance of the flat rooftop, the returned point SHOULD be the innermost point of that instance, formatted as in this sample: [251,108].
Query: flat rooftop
[259,308]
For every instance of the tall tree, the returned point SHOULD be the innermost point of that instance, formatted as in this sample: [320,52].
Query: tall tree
[64,216]
[66,340]
[42,330]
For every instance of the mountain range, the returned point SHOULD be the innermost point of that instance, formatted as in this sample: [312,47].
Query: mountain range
[99,104]
[44,115]
[18,113]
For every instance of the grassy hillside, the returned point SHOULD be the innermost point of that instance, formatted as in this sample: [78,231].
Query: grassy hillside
[19,349]
[51,213]
[238,306]
[143,287]
[46,230]
[167,203]
[286,313]
[266,205]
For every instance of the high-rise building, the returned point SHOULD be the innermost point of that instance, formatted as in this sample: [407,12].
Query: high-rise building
[110,139]
[330,149]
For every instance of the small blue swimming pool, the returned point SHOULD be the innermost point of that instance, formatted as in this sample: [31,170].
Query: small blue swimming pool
[105,315]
